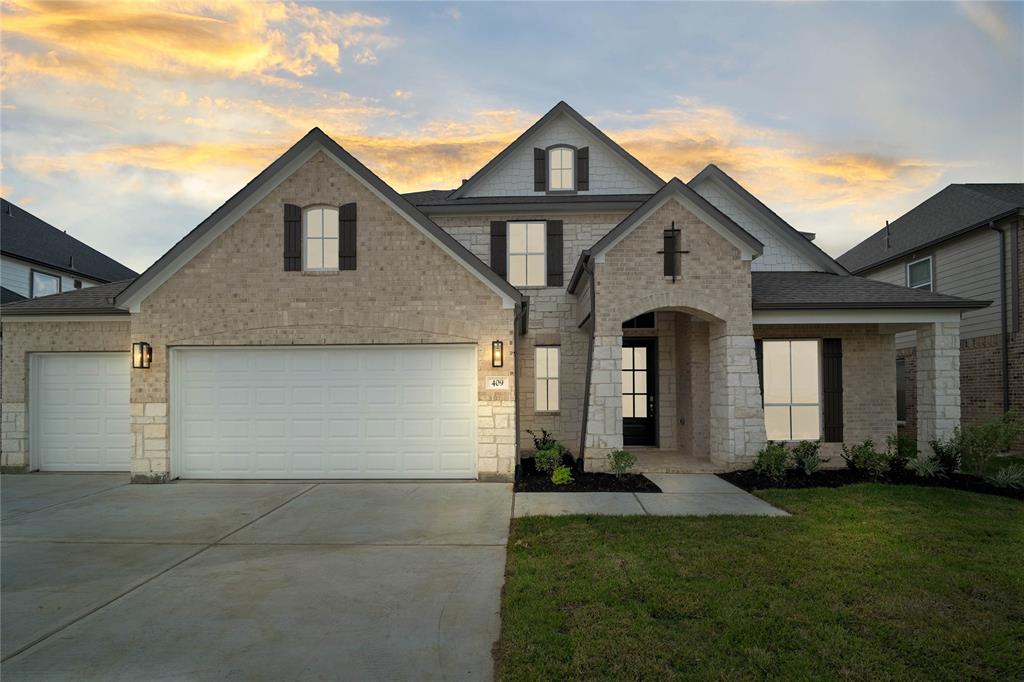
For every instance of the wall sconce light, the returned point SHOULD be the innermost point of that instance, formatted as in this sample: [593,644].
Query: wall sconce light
[497,354]
[142,355]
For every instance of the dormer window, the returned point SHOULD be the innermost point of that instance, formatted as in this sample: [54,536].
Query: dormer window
[561,170]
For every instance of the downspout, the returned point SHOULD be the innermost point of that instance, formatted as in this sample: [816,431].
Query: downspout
[1004,331]
[590,358]
[519,325]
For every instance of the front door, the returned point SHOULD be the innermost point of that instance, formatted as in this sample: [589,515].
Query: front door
[639,391]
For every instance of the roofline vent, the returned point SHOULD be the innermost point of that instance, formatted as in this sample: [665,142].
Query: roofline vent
[888,232]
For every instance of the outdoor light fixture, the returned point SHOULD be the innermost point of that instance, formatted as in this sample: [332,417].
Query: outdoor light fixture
[142,355]
[497,354]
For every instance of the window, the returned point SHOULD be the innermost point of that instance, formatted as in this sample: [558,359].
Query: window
[792,389]
[44,284]
[526,259]
[560,169]
[919,274]
[320,238]
[547,378]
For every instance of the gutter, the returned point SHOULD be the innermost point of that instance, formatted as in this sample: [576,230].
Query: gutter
[567,207]
[64,269]
[83,312]
[590,352]
[962,304]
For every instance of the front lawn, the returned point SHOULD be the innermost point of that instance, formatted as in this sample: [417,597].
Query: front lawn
[864,582]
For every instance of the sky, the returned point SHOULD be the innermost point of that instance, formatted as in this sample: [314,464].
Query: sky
[126,124]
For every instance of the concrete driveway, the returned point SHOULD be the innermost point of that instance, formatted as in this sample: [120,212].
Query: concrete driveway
[360,581]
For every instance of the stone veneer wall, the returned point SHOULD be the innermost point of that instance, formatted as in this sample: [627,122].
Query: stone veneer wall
[406,290]
[22,338]
[869,379]
[938,381]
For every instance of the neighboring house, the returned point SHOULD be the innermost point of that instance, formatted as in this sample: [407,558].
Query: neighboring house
[321,325]
[964,241]
[37,259]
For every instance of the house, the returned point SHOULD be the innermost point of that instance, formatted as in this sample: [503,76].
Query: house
[965,241]
[37,259]
[321,325]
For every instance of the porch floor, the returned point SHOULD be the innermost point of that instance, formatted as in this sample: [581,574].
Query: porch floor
[658,461]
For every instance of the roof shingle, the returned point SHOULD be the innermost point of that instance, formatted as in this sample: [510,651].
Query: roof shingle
[822,290]
[90,300]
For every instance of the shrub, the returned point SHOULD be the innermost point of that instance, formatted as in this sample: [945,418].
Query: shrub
[620,462]
[806,458]
[901,450]
[948,453]
[561,476]
[925,467]
[980,443]
[544,441]
[549,459]
[1010,476]
[864,458]
[773,461]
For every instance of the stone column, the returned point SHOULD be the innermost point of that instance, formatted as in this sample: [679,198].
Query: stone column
[604,408]
[938,381]
[737,418]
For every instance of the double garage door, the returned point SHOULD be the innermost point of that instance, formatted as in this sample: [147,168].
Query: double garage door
[265,413]
[324,412]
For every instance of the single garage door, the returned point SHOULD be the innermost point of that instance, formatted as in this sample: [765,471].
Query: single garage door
[325,412]
[80,417]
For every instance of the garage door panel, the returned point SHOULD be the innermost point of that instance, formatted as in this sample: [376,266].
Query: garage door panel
[80,411]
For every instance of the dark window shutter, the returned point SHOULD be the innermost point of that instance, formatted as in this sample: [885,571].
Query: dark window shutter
[554,253]
[540,170]
[292,237]
[670,248]
[583,169]
[832,389]
[347,237]
[759,354]
[499,247]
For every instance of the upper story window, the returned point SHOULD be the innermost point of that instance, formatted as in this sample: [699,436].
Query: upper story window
[44,284]
[919,274]
[561,171]
[320,238]
[792,389]
[526,254]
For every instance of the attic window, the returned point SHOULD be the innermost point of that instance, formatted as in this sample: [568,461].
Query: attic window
[561,170]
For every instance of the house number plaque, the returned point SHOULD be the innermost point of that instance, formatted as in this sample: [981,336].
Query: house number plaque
[497,383]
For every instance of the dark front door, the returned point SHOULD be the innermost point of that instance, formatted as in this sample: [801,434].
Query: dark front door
[639,391]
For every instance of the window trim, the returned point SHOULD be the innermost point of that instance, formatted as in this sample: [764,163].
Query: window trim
[527,254]
[557,379]
[305,237]
[32,282]
[547,169]
[821,389]
[931,274]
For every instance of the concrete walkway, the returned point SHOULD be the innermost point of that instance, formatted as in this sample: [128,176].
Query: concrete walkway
[254,581]
[681,495]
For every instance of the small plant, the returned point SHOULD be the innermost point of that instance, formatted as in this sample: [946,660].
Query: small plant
[773,461]
[549,459]
[561,476]
[924,467]
[981,443]
[948,453]
[544,441]
[620,462]
[864,458]
[901,450]
[1010,476]
[806,456]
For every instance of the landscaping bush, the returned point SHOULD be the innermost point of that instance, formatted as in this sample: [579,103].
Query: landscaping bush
[544,441]
[773,461]
[864,458]
[1010,476]
[620,462]
[806,456]
[549,459]
[561,476]
[948,453]
[901,450]
[979,444]
[925,467]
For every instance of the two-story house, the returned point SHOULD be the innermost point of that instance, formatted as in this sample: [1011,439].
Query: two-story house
[37,259]
[321,325]
[964,241]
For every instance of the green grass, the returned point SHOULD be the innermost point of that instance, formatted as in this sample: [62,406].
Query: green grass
[866,582]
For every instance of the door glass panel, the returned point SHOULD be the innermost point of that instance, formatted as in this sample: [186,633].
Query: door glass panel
[627,358]
[640,382]
[627,405]
[776,421]
[640,358]
[627,382]
[640,406]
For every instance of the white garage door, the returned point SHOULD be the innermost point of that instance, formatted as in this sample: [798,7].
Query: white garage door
[80,413]
[325,412]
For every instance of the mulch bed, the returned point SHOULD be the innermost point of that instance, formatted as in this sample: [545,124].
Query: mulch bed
[529,480]
[750,480]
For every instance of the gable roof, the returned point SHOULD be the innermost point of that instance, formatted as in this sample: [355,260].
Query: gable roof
[313,141]
[87,301]
[788,234]
[822,290]
[558,110]
[955,210]
[24,236]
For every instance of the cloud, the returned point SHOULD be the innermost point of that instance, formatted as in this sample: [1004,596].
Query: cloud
[454,13]
[990,18]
